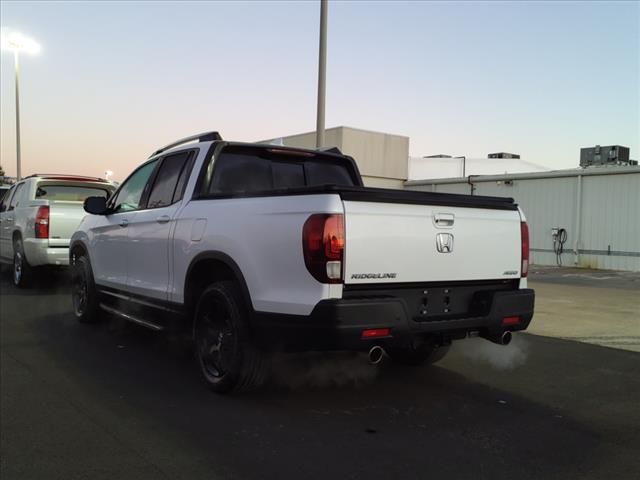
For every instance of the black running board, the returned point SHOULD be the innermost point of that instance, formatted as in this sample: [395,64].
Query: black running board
[131,318]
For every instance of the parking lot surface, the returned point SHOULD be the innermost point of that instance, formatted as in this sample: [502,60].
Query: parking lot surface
[115,401]
[599,307]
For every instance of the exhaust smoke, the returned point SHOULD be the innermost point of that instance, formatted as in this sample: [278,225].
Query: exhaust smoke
[506,356]
[322,370]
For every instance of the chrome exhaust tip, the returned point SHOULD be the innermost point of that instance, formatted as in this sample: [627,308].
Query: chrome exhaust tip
[376,354]
[503,339]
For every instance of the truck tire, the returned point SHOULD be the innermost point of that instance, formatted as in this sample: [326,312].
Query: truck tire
[417,356]
[84,293]
[22,271]
[226,352]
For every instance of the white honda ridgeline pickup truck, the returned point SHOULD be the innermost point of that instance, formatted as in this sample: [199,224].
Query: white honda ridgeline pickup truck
[258,247]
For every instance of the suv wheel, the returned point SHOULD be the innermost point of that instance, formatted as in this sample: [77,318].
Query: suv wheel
[410,356]
[83,292]
[226,353]
[21,268]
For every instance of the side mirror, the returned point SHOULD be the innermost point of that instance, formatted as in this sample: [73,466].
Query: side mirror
[95,205]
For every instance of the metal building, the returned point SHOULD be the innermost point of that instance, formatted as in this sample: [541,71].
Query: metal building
[598,207]
[440,166]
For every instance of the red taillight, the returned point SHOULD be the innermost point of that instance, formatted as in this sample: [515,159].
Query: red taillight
[509,321]
[42,222]
[524,231]
[375,333]
[323,246]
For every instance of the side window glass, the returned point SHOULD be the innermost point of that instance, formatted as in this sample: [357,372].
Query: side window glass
[5,200]
[182,181]
[166,181]
[130,193]
[16,195]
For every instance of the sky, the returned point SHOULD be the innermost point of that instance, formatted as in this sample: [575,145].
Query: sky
[116,80]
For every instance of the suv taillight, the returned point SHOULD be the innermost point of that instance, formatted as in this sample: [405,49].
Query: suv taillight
[323,246]
[42,222]
[524,231]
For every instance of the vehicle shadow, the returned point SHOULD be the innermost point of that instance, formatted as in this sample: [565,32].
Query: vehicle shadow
[374,423]
[45,281]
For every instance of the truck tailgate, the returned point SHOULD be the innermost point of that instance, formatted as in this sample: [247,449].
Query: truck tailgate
[412,242]
[64,218]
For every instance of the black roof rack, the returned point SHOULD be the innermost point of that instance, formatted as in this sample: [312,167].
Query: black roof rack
[201,137]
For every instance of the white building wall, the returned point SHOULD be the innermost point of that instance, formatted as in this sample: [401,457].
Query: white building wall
[421,168]
[609,222]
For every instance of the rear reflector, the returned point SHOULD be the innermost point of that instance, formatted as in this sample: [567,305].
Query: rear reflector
[375,333]
[42,222]
[508,321]
[524,231]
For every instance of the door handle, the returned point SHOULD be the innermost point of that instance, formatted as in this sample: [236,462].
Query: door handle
[443,219]
[163,219]
[124,222]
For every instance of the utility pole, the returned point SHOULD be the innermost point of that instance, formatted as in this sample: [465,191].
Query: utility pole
[16,43]
[16,58]
[322,74]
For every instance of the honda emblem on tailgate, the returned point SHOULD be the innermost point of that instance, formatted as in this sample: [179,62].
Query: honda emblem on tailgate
[444,242]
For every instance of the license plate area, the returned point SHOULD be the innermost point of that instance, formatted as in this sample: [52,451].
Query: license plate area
[436,302]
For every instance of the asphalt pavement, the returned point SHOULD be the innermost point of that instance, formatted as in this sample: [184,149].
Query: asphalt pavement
[114,401]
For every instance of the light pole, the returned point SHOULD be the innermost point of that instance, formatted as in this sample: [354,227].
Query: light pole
[17,43]
[322,74]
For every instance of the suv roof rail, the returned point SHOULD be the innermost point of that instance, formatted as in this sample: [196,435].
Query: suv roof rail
[64,176]
[201,137]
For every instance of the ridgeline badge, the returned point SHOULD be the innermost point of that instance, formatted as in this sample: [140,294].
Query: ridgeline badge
[369,276]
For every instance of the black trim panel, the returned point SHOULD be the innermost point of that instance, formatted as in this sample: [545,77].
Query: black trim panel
[358,287]
[383,195]
[338,324]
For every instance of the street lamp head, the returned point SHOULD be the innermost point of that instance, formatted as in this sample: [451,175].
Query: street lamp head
[16,42]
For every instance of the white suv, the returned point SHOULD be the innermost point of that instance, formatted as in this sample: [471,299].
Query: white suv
[38,215]
[254,247]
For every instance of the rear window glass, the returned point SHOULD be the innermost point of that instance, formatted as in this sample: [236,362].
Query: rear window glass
[236,173]
[287,175]
[325,173]
[246,170]
[68,193]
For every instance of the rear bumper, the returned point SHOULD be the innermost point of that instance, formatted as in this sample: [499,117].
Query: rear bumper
[338,324]
[39,253]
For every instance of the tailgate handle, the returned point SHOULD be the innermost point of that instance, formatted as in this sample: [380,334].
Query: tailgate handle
[443,219]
